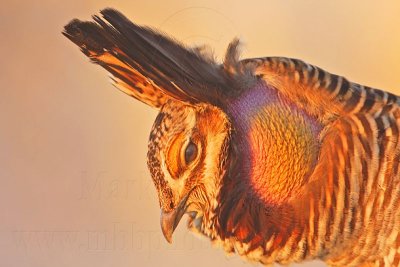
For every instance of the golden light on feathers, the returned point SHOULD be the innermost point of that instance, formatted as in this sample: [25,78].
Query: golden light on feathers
[272,158]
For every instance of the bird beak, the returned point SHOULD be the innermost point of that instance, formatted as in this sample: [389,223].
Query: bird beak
[170,220]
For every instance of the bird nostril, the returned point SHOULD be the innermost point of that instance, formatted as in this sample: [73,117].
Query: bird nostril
[171,205]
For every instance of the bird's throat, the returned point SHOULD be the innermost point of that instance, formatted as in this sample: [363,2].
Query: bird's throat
[283,151]
[278,143]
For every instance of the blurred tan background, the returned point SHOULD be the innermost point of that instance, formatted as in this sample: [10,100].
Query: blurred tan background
[75,190]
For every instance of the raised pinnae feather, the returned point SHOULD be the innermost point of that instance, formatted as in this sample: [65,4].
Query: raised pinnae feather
[146,64]
[102,50]
[240,78]
[231,61]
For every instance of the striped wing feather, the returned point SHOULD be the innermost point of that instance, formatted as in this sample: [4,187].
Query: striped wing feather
[319,92]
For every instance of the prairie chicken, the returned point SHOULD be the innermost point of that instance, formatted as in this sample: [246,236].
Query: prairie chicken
[271,158]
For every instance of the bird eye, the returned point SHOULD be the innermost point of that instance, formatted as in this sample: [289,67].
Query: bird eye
[190,152]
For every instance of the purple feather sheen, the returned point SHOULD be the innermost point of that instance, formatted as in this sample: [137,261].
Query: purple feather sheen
[252,101]
[269,131]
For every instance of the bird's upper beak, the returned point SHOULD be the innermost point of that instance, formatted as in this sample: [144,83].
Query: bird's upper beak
[170,220]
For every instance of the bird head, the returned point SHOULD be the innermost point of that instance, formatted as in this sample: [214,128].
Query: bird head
[188,149]
[188,146]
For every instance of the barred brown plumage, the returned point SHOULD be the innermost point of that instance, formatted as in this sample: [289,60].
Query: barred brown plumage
[358,211]
[291,162]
